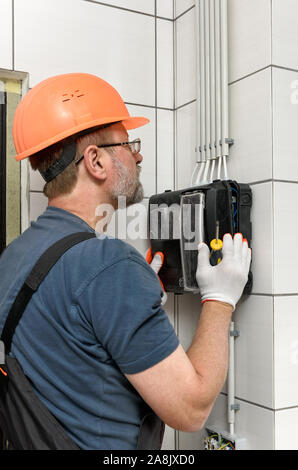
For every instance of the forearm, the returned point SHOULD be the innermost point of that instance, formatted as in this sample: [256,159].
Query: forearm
[209,351]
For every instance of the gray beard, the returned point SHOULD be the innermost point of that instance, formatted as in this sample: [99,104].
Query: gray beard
[126,185]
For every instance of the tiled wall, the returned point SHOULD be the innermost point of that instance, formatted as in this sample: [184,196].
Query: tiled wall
[129,43]
[263,64]
[146,49]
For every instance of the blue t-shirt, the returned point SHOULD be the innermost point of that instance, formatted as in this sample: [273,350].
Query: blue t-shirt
[96,316]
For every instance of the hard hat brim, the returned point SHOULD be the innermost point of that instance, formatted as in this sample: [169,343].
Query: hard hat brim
[128,122]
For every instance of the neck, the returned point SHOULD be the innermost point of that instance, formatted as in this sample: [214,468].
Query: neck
[97,213]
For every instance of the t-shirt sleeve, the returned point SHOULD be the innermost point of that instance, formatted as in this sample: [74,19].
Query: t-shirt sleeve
[124,305]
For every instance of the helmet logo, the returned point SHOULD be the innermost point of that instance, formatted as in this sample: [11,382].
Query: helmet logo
[69,96]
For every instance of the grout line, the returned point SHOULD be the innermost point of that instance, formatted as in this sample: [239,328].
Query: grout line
[263,406]
[174,100]
[273,218]
[246,76]
[287,294]
[252,402]
[144,13]
[120,8]
[261,70]
[176,327]
[156,85]
[12,32]
[185,104]
[284,181]
[129,10]
[183,13]
[250,74]
[260,182]
[284,68]
[176,309]
[273,181]
[149,106]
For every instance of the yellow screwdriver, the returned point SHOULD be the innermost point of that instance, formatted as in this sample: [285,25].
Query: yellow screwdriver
[216,246]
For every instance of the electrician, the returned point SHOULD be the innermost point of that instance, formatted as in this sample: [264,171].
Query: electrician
[94,340]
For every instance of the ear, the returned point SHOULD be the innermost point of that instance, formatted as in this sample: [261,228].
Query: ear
[96,162]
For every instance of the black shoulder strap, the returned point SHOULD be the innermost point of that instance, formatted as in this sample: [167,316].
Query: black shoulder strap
[35,278]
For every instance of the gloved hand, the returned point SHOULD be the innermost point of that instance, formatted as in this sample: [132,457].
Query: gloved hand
[156,263]
[224,282]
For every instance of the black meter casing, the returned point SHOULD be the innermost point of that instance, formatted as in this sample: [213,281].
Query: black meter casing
[180,220]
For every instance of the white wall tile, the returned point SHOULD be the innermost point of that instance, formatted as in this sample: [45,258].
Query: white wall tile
[190,440]
[285,33]
[6,35]
[186,156]
[254,425]
[254,350]
[132,226]
[79,36]
[285,119]
[169,439]
[286,351]
[36,181]
[189,308]
[249,26]
[165,64]
[148,151]
[285,236]
[185,58]
[165,150]
[144,6]
[251,128]
[286,437]
[165,8]
[38,204]
[182,6]
[169,307]
[262,238]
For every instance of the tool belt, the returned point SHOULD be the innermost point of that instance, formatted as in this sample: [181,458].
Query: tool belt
[25,422]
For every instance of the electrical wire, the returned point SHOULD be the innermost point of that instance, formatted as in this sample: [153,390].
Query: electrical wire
[212,171]
[225,167]
[193,174]
[219,168]
[198,180]
[205,177]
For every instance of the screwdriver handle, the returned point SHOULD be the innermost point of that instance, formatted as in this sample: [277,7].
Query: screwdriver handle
[216,253]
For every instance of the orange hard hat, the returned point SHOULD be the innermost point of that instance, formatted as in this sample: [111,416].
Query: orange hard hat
[65,105]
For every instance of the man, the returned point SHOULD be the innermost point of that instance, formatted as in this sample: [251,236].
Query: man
[94,339]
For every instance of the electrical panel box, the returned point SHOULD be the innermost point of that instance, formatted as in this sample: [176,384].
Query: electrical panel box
[219,439]
[180,220]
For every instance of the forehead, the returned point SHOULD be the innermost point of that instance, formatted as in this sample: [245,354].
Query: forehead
[118,132]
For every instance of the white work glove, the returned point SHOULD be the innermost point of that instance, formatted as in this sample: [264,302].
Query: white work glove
[156,263]
[224,282]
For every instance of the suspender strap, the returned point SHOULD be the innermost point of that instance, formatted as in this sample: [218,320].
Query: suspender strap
[35,278]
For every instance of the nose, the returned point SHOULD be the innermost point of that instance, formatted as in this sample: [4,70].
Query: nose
[139,157]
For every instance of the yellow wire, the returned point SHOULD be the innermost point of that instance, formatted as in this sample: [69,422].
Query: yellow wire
[222,447]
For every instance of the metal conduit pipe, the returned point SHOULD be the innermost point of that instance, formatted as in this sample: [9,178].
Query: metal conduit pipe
[224,75]
[200,34]
[212,89]
[218,79]
[231,380]
[207,89]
